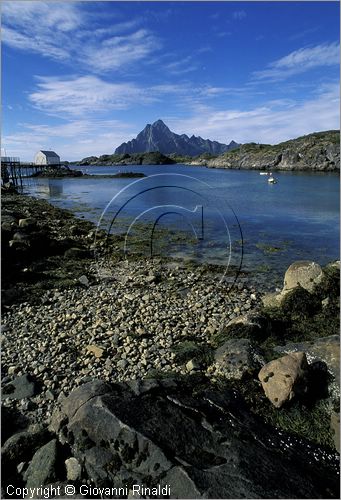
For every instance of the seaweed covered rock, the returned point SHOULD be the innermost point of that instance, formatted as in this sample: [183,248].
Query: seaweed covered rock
[189,352]
[235,359]
[253,326]
[301,315]
[302,273]
[299,303]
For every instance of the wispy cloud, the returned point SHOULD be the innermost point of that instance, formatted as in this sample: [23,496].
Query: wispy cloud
[301,60]
[273,121]
[181,66]
[76,96]
[86,94]
[73,140]
[39,27]
[119,51]
[303,33]
[59,16]
[62,31]
[239,15]
[222,34]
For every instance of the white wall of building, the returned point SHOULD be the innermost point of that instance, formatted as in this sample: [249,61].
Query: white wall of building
[43,159]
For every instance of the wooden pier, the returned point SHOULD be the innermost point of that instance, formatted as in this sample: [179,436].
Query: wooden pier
[13,170]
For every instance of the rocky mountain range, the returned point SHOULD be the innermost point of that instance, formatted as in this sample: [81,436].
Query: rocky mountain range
[158,137]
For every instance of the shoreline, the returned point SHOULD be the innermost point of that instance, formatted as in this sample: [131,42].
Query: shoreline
[66,281]
[249,169]
[145,331]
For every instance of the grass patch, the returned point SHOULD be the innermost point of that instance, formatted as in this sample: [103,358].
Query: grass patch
[187,350]
[311,422]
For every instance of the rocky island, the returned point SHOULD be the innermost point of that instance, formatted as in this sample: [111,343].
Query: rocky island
[317,152]
[150,158]
[120,373]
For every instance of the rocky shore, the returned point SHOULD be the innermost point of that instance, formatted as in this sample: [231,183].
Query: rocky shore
[58,172]
[318,152]
[117,373]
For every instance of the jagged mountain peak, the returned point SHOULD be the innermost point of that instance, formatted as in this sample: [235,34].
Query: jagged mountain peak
[158,137]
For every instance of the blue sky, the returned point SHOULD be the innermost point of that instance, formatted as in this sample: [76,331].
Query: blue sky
[82,77]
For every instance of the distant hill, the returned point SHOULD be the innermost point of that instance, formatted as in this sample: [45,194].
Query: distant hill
[319,151]
[158,137]
[153,158]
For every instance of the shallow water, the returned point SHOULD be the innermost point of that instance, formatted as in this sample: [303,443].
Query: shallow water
[232,217]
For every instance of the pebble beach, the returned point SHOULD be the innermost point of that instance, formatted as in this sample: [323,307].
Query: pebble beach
[117,329]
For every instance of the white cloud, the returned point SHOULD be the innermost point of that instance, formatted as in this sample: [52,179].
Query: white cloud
[272,122]
[57,16]
[72,141]
[181,66]
[62,31]
[86,94]
[34,44]
[40,27]
[301,60]
[119,51]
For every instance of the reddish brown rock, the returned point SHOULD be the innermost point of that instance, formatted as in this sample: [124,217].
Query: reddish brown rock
[284,377]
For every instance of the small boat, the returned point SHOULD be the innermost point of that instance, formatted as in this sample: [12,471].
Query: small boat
[272,180]
[263,173]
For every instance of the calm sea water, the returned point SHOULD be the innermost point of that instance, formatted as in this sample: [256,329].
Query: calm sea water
[231,216]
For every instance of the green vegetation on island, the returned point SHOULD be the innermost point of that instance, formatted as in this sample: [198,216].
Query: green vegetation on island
[319,151]
[151,158]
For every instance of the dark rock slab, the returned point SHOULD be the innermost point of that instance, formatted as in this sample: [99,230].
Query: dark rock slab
[22,445]
[43,468]
[203,443]
[20,388]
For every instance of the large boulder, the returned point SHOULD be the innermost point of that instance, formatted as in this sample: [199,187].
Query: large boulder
[20,388]
[252,325]
[43,468]
[284,377]
[325,349]
[303,273]
[200,442]
[19,449]
[235,359]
